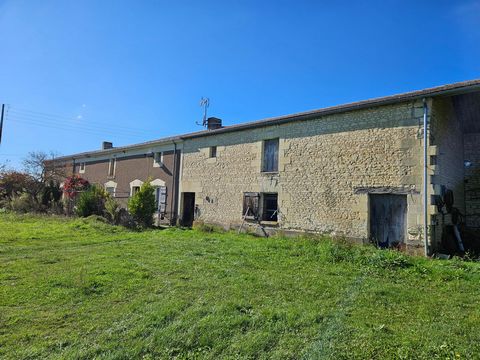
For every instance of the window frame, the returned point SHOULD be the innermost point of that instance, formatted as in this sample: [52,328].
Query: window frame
[158,158]
[82,167]
[111,184]
[253,205]
[212,152]
[112,165]
[270,165]
[274,216]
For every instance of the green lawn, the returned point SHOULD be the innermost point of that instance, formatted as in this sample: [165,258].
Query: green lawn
[84,289]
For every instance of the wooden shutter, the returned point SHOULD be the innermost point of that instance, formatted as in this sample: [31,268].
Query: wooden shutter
[162,199]
[270,155]
[251,202]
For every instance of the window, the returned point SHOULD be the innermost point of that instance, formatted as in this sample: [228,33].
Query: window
[270,207]
[161,199]
[82,168]
[111,167]
[260,206]
[135,186]
[158,159]
[270,155]
[213,151]
[111,187]
[250,205]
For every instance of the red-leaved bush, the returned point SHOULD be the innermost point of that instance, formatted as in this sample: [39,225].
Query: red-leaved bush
[73,185]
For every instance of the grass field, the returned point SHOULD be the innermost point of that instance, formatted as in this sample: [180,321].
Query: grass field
[84,289]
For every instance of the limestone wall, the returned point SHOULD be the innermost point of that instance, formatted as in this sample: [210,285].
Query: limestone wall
[322,164]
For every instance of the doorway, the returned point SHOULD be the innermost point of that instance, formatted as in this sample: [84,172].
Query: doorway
[188,206]
[388,219]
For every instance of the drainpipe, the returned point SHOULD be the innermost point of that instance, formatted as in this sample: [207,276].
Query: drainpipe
[425,174]
[174,193]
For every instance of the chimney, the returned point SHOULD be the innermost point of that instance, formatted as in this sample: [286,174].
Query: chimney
[214,123]
[107,145]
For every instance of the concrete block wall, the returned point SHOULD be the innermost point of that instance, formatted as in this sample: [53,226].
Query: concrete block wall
[321,164]
[472,178]
[447,140]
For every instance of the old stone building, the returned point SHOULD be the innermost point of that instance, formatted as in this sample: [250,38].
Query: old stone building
[357,170]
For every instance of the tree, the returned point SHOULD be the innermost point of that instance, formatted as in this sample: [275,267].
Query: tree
[43,167]
[142,205]
[14,183]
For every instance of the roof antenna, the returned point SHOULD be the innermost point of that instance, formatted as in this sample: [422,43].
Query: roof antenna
[205,102]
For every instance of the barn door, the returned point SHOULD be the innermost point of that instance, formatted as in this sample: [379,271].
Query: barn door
[388,219]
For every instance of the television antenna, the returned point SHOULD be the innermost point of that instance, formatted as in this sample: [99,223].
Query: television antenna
[205,103]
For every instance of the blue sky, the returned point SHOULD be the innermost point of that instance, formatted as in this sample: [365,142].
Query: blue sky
[75,73]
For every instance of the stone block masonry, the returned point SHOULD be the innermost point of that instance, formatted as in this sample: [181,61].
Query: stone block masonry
[321,164]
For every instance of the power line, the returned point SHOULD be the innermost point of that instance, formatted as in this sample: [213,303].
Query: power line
[51,123]
[68,128]
[76,123]
[61,117]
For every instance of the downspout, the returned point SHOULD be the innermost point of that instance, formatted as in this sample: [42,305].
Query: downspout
[174,193]
[425,173]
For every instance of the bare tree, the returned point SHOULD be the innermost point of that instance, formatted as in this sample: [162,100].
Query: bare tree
[43,167]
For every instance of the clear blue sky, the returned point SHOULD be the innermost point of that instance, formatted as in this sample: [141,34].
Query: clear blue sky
[146,64]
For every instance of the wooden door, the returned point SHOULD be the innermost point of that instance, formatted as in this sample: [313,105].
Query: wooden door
[388,219]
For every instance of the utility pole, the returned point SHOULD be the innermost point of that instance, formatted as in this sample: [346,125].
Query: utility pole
[1,122]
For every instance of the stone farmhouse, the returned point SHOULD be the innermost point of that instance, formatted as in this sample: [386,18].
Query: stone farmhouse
[361,170]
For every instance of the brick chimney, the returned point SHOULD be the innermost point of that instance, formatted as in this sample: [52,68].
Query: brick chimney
[107,145]
[214,123]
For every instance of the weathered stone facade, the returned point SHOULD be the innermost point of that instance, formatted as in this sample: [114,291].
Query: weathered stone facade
[350,170]
[322,164]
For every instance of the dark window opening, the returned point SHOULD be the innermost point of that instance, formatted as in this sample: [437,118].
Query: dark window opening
[270,207]
[270,155]
[213,151]
[111,168]
[135,189]
[250,205]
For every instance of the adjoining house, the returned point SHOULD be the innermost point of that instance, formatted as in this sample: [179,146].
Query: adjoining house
[121,171]
[360,170]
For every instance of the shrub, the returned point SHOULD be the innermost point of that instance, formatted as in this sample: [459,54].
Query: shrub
[23,204]
[51,194]
[91,202]
[125,219]
[13,184]
[73,185]
[142,205]
[112,210]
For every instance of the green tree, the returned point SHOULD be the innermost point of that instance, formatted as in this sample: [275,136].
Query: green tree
[142,205]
